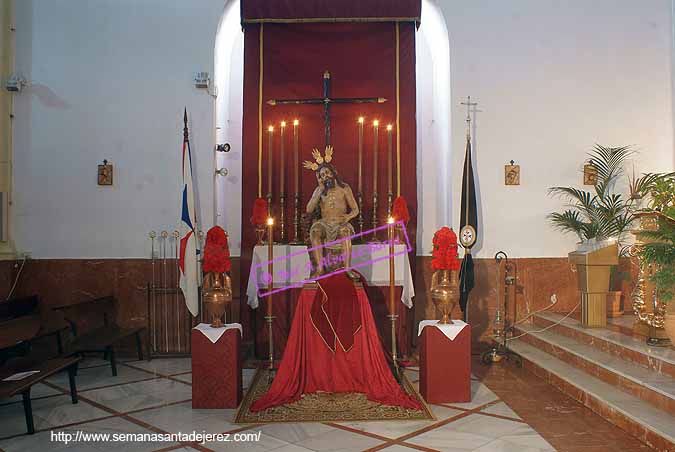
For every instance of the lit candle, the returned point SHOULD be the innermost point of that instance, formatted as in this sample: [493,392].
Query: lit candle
[376,125]
[270,129]
[296,164]
[389,157]
[282,160]
[360,185]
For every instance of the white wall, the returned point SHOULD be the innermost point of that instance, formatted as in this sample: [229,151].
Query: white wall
[111,77]
[552,78]
[110,81]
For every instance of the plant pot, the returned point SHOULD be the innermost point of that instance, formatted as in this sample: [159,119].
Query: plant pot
[614,304]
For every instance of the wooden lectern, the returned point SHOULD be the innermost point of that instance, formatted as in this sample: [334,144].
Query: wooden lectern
[593,271]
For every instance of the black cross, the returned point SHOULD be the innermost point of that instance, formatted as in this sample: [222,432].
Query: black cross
[326,101]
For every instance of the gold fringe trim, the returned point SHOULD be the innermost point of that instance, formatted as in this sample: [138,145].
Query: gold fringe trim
[330,19]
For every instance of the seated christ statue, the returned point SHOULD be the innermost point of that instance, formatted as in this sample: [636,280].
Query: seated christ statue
[334,200]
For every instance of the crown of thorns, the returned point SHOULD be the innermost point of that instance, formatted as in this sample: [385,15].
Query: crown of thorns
[318,159]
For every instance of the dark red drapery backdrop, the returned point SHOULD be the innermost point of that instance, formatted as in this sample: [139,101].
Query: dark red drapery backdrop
[361,58]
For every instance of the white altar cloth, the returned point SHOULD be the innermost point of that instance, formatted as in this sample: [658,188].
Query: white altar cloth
[296,268]
[214,333]
[451,330]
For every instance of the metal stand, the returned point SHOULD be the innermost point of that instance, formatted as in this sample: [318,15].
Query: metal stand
[501,350]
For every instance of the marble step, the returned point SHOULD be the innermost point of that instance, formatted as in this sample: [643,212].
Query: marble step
[652,387]
[652,426]
[627,347]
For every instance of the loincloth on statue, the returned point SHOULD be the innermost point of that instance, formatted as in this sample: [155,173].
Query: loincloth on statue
[331,232]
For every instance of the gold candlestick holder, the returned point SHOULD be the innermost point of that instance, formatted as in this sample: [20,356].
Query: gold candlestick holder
[282,218]
[360,222]
[296,221]
[374,238]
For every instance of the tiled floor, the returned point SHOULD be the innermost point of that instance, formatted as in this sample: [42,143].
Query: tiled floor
[155,397]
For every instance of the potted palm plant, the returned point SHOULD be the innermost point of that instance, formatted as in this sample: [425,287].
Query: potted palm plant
[601,218]
[601,213]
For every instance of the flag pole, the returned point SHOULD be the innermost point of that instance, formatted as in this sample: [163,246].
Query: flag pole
[468,217]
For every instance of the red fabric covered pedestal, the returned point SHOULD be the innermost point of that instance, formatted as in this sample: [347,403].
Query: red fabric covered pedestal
[216,370]
[310,365]
[445,366]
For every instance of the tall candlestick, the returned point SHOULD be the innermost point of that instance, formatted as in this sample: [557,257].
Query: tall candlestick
[360,178]
[296,163]
[282,186]
[376,125]
[282,160]
[392,302]
[390,192]
[270,130]
[270,269]
[376,128]
[359,192]
[296,203]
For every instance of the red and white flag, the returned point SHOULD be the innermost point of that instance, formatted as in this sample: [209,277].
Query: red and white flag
[189,246]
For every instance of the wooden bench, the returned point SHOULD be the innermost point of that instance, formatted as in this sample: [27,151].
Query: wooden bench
[51,323]
[100,331]
[23,386]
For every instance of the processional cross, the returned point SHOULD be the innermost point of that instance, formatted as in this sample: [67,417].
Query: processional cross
[326,100]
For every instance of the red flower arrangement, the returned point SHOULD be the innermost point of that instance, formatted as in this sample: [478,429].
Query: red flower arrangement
[400,210]
[216,251]
[445,250]
[259,216]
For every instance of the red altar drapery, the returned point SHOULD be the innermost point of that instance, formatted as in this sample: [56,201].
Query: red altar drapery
[361,58]
[309,365]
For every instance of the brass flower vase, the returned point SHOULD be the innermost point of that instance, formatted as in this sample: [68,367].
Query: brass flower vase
[445,292]
[217,296]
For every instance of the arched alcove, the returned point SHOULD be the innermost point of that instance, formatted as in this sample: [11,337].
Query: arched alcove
[433,124]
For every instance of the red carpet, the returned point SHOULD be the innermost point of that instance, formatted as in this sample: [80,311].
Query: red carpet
[309,364]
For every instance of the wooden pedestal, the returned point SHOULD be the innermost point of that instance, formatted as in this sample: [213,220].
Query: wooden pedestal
[445,366]
[216,370]
[593,271]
